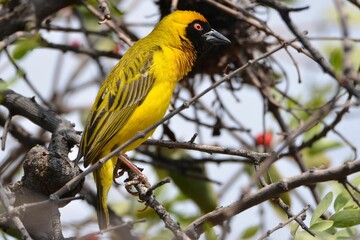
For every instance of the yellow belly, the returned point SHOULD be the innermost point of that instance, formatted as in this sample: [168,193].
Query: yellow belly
[152,109]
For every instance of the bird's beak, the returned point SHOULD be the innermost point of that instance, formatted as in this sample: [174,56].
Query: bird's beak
[215,38]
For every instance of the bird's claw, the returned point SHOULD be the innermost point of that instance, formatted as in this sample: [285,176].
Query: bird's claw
[129,189]
[135,180]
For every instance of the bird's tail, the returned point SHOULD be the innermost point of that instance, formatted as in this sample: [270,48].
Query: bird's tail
[103,178]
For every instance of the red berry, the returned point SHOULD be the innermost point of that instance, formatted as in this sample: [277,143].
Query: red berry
[117,48]
[75,43]
[264,139]
[91,237]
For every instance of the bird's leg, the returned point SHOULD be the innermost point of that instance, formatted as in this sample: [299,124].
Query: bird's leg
[125,164]
[119,170]
[124,160]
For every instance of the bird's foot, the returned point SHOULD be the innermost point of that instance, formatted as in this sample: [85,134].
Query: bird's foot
[135,174]
[135,180]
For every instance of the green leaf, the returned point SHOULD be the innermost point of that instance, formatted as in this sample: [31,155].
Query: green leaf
[274,175]
[322,225]
[293,228]
[4,85]
[323,145]
[249,232]
[356,180]
[336,59]
[105,44]
[324,236]
[346,218]
[319,160]
[209,231]
[24,46]
[319,95]
[312,131]
[302,235]
[201,192]
[341,200]
[346,233]
[321,208]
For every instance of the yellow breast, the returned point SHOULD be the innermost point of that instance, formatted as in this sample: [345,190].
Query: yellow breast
[166,70]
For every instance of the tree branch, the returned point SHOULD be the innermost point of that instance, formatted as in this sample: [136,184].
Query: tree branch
[22,14]
[45,118]
[45,170]
[218,216]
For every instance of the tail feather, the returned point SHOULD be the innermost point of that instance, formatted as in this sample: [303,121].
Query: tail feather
[103,178]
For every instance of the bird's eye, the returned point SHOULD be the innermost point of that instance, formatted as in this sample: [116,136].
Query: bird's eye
[198,27]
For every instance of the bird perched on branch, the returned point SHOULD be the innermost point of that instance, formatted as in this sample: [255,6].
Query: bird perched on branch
[138,90]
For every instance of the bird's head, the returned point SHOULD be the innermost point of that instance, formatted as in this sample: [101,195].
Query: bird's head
[191,27]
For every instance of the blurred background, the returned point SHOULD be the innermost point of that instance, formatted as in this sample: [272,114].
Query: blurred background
[63,64]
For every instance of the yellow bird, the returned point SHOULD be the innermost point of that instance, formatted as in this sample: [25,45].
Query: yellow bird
[138,90]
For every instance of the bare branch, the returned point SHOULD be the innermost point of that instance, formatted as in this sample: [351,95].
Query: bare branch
[271,191]
[28,13]
[208,149]
[15,219]
[281,225]
[284,13]
[46,119]
[146,195]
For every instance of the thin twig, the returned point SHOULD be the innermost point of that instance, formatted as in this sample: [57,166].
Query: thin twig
[208,149]
[284,206]
[27,81]
[146,195]
[109,23]
[284,12]
[110,229]
[10,210]
[105,11]
[5,132]
[281,225]
[353,197]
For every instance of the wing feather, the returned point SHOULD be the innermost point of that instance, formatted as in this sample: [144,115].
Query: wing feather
[116,101]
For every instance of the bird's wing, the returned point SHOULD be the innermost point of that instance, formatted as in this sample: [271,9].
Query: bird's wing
[116,101]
